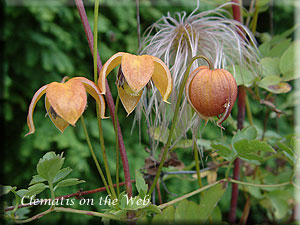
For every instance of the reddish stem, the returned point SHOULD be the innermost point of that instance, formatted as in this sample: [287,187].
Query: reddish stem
[241,116]
[108,95]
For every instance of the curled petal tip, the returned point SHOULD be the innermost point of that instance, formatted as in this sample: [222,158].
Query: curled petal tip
[110,64]
[35,99]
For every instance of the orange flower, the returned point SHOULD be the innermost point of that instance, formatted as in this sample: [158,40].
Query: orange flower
[134,74]
[65,102]
[211,92]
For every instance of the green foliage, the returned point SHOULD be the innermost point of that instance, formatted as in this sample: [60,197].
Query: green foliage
[45,43]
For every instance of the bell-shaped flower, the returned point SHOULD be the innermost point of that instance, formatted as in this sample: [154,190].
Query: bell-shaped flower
[134,74]
[66,102]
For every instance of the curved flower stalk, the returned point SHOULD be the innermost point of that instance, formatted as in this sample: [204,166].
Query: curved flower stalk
[175,40]
[135,72]
[65,102]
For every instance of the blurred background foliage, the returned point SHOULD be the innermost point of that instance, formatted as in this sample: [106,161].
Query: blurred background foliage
[45,41]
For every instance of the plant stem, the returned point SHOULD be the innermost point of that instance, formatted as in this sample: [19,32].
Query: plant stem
[34,217]
[117,146]
[108,96]
[249,113]
[196,156]
[95,50]
[228,168]
[189,194]
[174,121]
[241,116]
[257,185]
[101,138]
[255,17]
[85,212]
[93,155]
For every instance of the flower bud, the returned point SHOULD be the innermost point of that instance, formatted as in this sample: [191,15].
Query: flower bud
[211,92]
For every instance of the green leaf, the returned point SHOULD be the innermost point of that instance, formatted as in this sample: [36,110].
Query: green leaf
[269,80]
[216,215]
[21,192]
[187,212]
[270,66]
[62,174]
[36,179]
[248,133]
[69,182]
[35,189]
[6,189]
[287,151]
[279,48]
[242,76]
[223,150]
[152,209]
[210,200]
[288,63]
[140,184]
[166,217]
[49,166]
[247,150]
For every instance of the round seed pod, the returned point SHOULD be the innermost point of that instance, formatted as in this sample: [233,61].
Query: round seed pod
[211,92]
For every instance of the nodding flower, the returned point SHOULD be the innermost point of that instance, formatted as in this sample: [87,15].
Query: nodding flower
[65,102]
[135,72]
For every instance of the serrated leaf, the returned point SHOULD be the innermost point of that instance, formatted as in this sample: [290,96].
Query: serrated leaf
[35,189]
[36,179]
[223,151]
[251,158]
[270,66]
[166,217]
[62,174]
[242,76]
[187,212]
[140,184]
[209,201]
[49,166]
[69,182]
[248,133]
[288,62]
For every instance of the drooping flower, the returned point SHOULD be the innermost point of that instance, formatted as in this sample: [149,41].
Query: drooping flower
[176,39]
[135,73]
[211,92]
[65,102]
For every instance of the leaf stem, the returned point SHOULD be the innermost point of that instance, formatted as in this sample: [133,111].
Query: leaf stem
[117,145]
[196,156]
[101,138]
[248,109]
[174,121]
[93,155]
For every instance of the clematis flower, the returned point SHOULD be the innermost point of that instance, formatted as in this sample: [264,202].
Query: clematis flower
[135,73]
[65,102]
